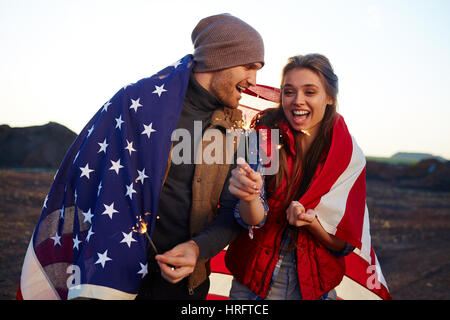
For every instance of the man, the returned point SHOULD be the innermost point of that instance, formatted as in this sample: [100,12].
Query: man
[228,52]
[120,179]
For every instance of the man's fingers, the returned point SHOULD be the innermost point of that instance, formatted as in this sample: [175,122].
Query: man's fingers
[174,274]
[174,268]
[174,260]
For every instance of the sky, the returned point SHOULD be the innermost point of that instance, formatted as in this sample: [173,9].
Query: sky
[61,60]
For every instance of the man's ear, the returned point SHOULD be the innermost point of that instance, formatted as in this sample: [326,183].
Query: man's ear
[204,79]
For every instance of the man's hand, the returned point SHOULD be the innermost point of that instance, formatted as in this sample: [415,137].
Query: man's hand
[179,262]
[297,216]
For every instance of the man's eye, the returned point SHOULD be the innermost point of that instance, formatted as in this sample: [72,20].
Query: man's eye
[310,92]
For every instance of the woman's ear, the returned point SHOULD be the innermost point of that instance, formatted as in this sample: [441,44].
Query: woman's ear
[330,101]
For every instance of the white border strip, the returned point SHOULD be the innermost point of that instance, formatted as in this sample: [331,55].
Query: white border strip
[34,284]
[331,208]
[220,284]
[92,291]
[349,289]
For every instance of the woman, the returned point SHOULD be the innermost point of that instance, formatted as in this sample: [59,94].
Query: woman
[289,254]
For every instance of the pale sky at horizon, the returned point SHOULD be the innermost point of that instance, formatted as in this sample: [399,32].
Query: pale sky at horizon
[61,60]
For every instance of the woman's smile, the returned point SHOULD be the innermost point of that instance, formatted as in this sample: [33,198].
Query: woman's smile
[304,100]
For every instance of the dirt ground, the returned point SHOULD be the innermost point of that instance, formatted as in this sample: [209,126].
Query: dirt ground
[410,231]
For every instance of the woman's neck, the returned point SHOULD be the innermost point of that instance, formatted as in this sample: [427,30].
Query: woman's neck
[308,137]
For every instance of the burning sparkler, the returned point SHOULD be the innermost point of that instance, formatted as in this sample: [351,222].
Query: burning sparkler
[141,227]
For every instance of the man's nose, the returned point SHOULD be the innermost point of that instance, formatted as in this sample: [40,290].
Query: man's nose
[251,79]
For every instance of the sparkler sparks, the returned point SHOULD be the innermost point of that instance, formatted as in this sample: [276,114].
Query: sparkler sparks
[141,227]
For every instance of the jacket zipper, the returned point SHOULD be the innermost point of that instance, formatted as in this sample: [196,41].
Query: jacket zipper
[275,251]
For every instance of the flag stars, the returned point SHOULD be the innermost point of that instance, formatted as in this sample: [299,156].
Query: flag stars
[129,147]
[99,188]
[85,171]
[109,210]
[128,238]
[141,176]
[119,122]
[87,216]
[57,239]
[159,90]
[135,104]
[130,191]
[76,242]
[76,157]
[90,131]
[102,258]
[45,202]
[116,166]
[176,64]
[144,269]
[127,85]
[103,145]
[148,130]
[106,105]
[90,233]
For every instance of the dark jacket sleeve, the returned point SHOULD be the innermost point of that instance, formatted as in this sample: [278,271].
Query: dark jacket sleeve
[223,229]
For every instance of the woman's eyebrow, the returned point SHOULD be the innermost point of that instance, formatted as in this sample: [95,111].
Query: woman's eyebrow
[310,85]
[305,85]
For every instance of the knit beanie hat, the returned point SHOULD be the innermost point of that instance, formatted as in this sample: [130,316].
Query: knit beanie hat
[224,41]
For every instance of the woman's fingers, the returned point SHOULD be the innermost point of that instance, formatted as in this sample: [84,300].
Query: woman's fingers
[307,216]
[297,216]
[249,182]
[249,172]
[241,194]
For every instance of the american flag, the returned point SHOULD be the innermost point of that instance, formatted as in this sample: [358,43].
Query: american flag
[107,187]
[338,196]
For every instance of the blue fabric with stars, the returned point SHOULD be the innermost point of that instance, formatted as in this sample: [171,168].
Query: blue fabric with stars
[107,189]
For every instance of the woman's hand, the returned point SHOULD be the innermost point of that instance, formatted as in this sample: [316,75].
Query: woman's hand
[245,183]
[298,216]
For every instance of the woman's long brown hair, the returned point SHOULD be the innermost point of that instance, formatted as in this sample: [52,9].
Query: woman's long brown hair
[305,164]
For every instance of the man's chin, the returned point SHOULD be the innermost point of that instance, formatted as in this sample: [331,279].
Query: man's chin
[232,105]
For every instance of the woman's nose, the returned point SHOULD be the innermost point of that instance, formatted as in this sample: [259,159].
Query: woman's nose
[299,99]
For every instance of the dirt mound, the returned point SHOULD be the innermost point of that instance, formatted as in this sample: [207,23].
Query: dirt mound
[430,174]
[34,147]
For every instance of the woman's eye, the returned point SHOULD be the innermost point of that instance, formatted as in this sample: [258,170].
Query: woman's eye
[288,92]
[309,92]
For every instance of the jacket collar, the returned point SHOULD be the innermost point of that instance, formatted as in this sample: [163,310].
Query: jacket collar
[227,118]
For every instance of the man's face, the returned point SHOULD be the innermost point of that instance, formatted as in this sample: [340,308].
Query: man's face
[227,84]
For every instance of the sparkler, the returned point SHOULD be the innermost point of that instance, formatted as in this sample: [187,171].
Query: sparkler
[141,227]
[246,128]
[305,132]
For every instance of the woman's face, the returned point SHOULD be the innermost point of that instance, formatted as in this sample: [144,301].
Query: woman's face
[304,100]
